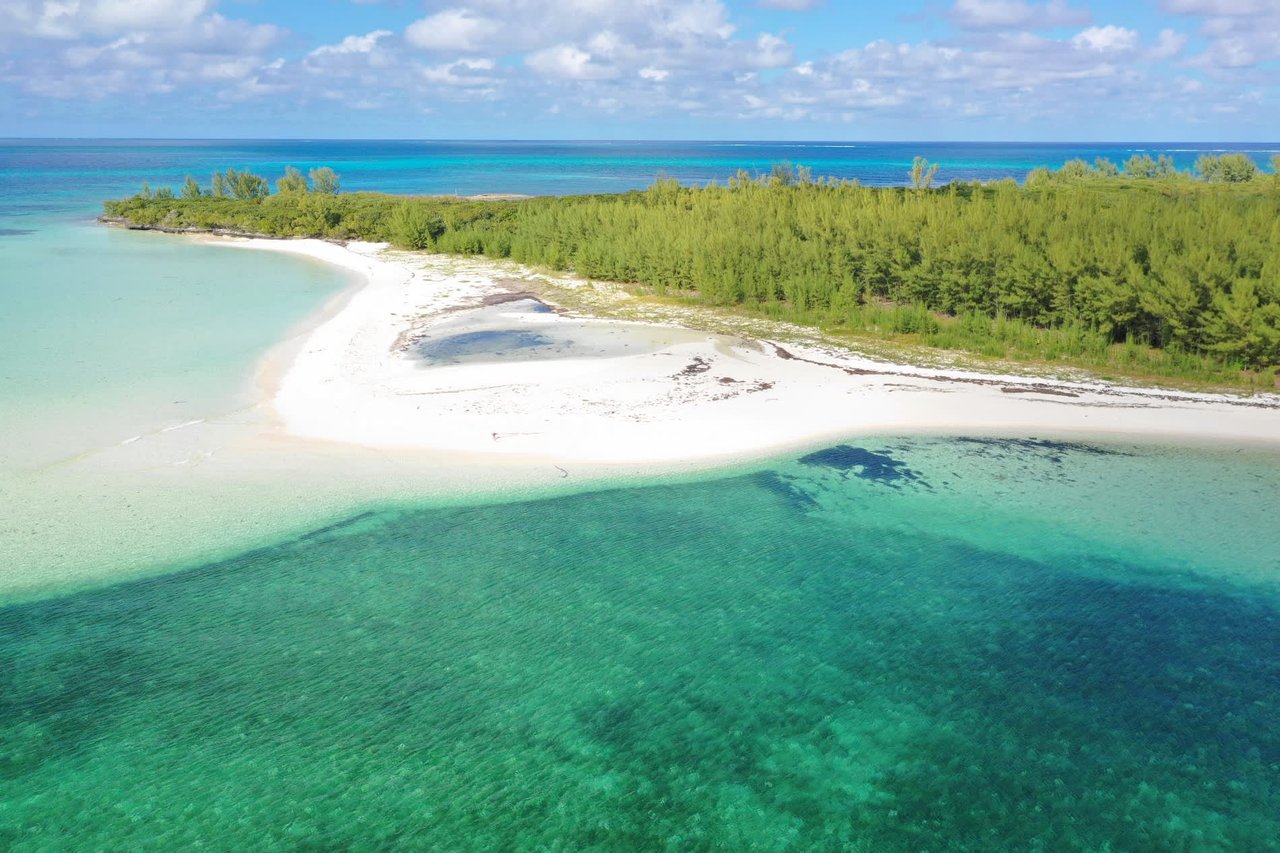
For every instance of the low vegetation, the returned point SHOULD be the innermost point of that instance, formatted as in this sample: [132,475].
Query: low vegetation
[1135,270]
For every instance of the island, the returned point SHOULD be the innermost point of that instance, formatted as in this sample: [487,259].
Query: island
[776,311]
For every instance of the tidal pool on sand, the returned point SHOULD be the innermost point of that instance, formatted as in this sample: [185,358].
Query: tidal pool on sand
[527,330]
[871,647]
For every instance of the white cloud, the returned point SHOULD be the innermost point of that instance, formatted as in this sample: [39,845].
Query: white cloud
[567,62]
[72,19]
[1240,34]
[1008,14]
[462,80]
[1169,45]
[153,47]
[1218,7]
[456,30]
[461,72]
[503,26]
[770,51]
[352,44]
[792,5]
[1010,60]
[1108,39]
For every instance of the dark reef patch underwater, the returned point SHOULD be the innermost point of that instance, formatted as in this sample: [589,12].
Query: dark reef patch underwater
[914,657]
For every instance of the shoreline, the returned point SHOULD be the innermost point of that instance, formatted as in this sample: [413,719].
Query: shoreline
[673,396]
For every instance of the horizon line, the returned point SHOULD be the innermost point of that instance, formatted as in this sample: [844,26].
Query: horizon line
[601,140]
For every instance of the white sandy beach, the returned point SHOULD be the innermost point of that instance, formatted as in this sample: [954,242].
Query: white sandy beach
[416,360]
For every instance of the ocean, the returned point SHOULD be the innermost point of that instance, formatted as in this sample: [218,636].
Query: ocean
[894,643]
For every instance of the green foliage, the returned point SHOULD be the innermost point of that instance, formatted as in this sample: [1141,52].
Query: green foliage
[1075,170]
[1142,166]
[191,188]
[412,226]
[244,185]
[1162,278]
[292,182]
[325,180]
[786,174]
[1227,168]
[922,173]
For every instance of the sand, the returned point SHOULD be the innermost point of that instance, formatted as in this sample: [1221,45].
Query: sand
[416,360]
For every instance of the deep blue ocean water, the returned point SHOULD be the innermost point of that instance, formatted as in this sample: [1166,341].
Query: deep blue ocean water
[899,643]
[40,176]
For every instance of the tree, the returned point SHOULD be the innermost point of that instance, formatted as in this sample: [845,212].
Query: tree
[1075,170]
[1228,168]
[1039,176]
[786,174]
[190,188]
[292,182]
[1275,164]
[412,227]
[1140,166]
[922,173]
[242,185]
[325,180]
[218,186]
[1105,168]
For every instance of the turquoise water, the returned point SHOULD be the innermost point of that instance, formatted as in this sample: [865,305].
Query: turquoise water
[867,648]
[106,333]
[893,644]
[63,172]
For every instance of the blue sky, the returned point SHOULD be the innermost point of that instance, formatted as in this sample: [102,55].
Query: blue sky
[643,69]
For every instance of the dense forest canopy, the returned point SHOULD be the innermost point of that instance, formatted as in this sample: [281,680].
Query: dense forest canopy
[1137,267]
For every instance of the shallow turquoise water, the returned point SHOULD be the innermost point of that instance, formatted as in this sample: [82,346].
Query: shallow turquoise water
[866,648]
[897,644]
[108,333]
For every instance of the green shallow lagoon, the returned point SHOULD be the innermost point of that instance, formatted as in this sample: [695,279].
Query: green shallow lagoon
[898,644]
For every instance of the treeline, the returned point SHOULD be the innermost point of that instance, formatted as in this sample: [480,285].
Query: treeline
[1173,277]
[243,185]
[1233,168]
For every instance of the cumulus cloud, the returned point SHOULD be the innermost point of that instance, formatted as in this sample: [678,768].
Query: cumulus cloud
[567,62]
[1218,7]
[1239,34]
[452,30]
[1169,45]
[352,44]
[770,51]
[1108,39]
[1007,60]
[527,25]
[99,49]
[1005,14]
[72,19]
[792,5]
[1012,74]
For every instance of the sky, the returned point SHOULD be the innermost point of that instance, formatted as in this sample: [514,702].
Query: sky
[1066,70]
